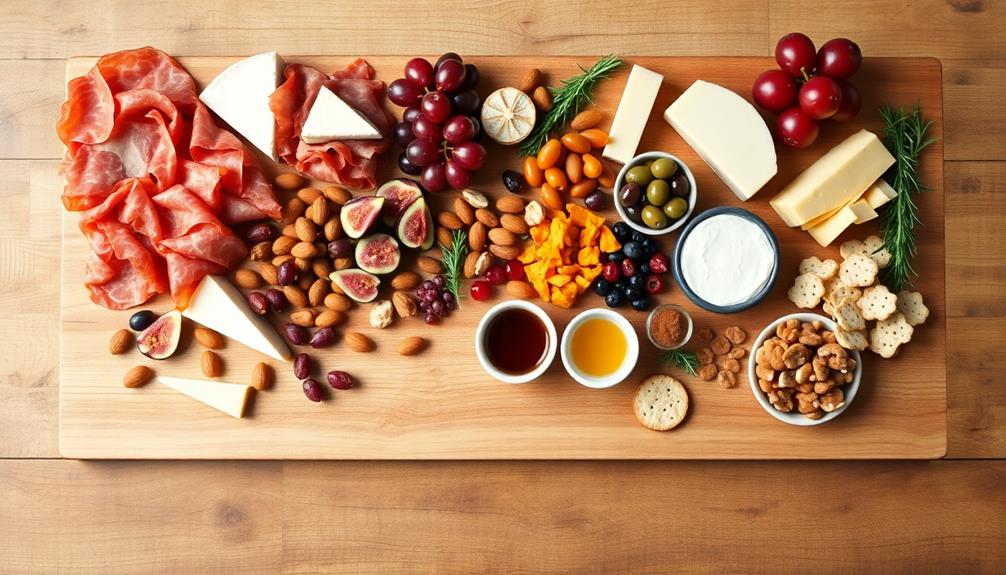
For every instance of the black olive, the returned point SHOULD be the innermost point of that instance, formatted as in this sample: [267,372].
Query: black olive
[514,182]
[141,320]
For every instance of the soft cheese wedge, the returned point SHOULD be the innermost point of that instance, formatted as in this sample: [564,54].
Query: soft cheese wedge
[331,118]
[219,305]
[240,96]
[633,111]
[230,398]
[841,175]
[728,133]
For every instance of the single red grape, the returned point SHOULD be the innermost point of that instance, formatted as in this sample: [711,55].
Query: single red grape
[457,177]
[408,167]
[427,128]
[850,102]
[412,113]
[469,155]
[611,271]
[436,106]
[419,71]
[403,133]
[422,152]
[447,56]
[796,129]
[403,92]
[481,290]
[466,102]
[839,58]
[774,90]
[820,97]
[450,75]
[795,54]
[434,177]
[515,270]
[460,129]
[496,275]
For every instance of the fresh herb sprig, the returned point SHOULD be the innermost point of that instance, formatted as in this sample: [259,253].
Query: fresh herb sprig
[567,100]
[904,135]
[453,263]
[685,360]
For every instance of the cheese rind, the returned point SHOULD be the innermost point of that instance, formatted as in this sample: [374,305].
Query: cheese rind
[230,398]
[632,114]
[728,133]
[240,96]
[840,175]
[826,232]
[219,305]
[331,118]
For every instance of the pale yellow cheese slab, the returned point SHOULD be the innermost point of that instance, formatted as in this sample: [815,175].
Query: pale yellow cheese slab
[230,398]
[877,195]
[826,232]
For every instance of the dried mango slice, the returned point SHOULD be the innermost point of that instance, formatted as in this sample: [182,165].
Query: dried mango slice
[608,242]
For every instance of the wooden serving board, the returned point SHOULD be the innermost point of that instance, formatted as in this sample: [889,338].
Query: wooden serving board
[441,405]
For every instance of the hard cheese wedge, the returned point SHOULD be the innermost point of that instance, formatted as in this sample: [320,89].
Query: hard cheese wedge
[230,398]
[240,96]
[837,177]
[863,210]
[633,111]
[219,305]
[728,133]
[826,232]
[877,195]
[331,118]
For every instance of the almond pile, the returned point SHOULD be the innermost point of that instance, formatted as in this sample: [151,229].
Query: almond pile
[495,231]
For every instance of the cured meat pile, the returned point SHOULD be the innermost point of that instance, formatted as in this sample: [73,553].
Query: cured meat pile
[352,163]
[156,180]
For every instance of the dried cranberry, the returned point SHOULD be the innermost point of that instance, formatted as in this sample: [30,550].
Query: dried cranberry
[658,263]
[496,275]
[312,389]
[277,300]
[611,271]
[340,379]
[628,267]
[515,270]
[324,337]
[654,284]
[258,302]
[481,291]
[296,334]
[286,274]
[302,366]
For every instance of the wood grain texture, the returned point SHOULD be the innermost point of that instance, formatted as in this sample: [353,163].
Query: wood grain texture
[976,411]
[974,112]
[29,107]
[442,405]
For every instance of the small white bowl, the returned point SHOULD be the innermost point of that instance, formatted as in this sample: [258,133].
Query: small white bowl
[483,355]
[642,159]
[795,418]
[631,351]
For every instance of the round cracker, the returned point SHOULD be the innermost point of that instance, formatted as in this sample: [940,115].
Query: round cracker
[661,402]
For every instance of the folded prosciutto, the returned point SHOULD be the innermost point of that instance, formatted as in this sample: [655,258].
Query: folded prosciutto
[156,181]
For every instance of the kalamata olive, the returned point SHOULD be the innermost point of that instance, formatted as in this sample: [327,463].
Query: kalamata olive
[514,182]
[340,248]
[312,389]
[258,302]
[596,201]
[324,337]
[629,194]
[141,320]
[277,300]
[679,185]
[340,379]
[286,274]
[302,366]
[633,212]
[296,334]
[261,232]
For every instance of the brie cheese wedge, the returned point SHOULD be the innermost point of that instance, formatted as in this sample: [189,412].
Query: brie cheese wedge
[240,96]
[230,398]
[331,118]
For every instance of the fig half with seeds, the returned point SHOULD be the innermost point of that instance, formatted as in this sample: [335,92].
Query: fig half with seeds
[160,339]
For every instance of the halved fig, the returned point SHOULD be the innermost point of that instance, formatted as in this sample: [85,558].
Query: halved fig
[378,254]
[160,339]
[415,227]
[360,214]
[357,284]
[398,195]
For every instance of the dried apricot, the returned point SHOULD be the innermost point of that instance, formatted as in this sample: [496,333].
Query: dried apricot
[583,189]
[551,197]
[532,173]
[556,178]
[607,177]
[574,168]
[592,167]
[597,138]
[548,155]
[576,143]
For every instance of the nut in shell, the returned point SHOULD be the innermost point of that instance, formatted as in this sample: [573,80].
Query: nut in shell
[475,198]
[482,264]
[381,314]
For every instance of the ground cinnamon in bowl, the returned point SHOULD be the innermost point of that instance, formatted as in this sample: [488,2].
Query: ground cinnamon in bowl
[669,326]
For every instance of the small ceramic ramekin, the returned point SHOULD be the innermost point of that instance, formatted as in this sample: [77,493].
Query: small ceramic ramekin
[642,159]
[483,355]
[631,349]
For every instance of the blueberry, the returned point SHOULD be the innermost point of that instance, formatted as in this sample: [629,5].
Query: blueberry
[141,320]
[621,231]
[616,257]
[621,284]
[633,249]
[602,287]
[614,299]
[641,304]
[637,281]
[644,268]
[649,247]
[638,237]
[633,293]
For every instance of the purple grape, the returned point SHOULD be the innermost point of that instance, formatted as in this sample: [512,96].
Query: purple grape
[404,93]
[458,177]
[436,107]
[403,133]
[448,297]
[419,71]
[408,167]
[423,127]
[434,177]
[447,56]
[472,76]
[422,152]
[450,75]
[466,102]
[460,129]
[438,281]
[428,285]
[431,318]
[412,113]
[423,305]
[469,155]
[437,306]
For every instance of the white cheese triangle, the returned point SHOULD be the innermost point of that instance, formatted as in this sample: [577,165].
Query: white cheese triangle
[230,398]
[331,118]
[240,96]
[220,306]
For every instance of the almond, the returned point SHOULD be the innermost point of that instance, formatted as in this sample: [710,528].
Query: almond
[121,341]
[477,235]
[449,220]
[137,376]
[289,181]
[342,263]
[337,302]
[404,303]
[412,345]
[444,237]
[336,289]
[487,217]
[338,196]
[520,289]
[333,229]
[289,231]
[320,211]
[322,267]
[586,119]
[465,212]
[262,376]
[429,265]
[304,317]
[514,223]
[282,245]
[469,268]
[358,342]
[482,264]
[475,198]
[308,195]
[317,292]
[510,205]
[293,209]
[211,364]
[248,279]
[269,273]
[329,318]
[504,252]
[280,260]
[529,81]
[296,296]
[502,237]
[305,230]
[304,250]
[305,281]
[405,280]
[208,338]
[542,98]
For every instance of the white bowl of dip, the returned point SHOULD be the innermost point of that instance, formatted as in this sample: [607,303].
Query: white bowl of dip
[726,260]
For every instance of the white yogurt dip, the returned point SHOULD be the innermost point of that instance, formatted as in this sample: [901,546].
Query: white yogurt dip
[726,260]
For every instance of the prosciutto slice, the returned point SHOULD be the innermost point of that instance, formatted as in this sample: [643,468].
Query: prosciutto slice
[156,181]
[351,163]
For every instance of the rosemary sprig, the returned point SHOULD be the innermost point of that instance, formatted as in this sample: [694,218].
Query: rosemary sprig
[904,135]
[567,100]
[453,262]
[685,360]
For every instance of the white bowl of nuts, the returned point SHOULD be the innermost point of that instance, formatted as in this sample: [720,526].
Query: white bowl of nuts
[798,372]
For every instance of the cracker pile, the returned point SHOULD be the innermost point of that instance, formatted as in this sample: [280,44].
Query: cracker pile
[851,294]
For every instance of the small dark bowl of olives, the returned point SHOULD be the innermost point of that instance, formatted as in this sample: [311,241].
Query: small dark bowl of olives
[655,193]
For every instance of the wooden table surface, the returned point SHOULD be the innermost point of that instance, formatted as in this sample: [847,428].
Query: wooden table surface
[60,516]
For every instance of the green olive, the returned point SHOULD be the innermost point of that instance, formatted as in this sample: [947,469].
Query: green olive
[663,168]
[639,175]
[654,218]
[657,192]
[676,208]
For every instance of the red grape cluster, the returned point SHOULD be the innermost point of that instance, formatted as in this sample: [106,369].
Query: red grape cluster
[440,123]
[435,300]
[812,85]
